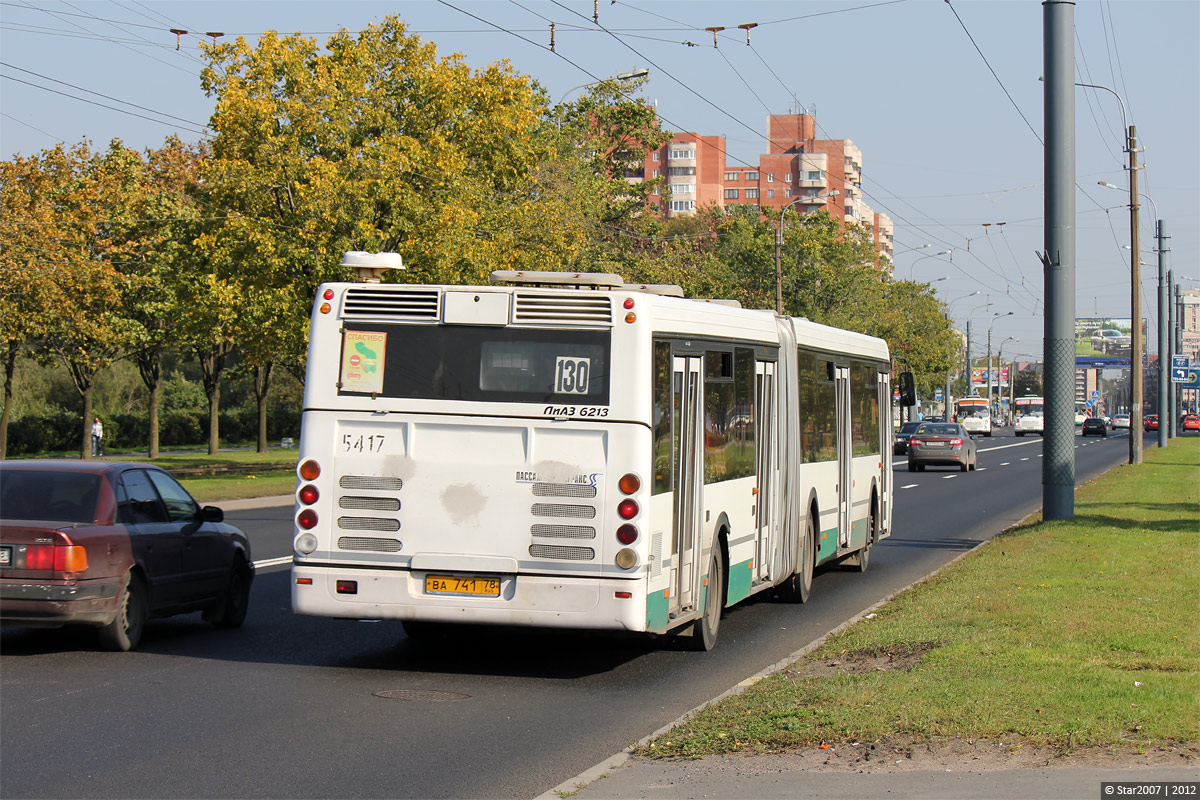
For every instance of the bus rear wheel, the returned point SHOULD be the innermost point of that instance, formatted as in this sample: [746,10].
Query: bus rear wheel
[797,588]
[704,630]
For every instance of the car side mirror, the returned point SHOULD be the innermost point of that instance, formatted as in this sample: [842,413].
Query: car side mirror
[212,514]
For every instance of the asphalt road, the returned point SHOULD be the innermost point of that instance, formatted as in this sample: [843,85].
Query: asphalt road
[303,707]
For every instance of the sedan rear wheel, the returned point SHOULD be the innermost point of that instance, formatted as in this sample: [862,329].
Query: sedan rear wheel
[230,612]
[125,630]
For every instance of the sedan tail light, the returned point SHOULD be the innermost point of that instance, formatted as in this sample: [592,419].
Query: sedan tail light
[956,442]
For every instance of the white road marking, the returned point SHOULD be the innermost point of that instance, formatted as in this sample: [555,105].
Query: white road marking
[981,469]
[948,477]
[910,486]
[1005,463]
[272,562]
[1024,459]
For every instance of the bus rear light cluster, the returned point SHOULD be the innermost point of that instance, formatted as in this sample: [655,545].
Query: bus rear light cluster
[307,519]
[309,495]
[628,508]
[627,533]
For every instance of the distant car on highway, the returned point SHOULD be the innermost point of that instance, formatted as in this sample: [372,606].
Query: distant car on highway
[941,443]
[1150,422]
[1094,426]
[111,545]
[900,447]
[1120,421]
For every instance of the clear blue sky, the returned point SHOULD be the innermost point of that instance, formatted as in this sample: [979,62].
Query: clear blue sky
[945,150]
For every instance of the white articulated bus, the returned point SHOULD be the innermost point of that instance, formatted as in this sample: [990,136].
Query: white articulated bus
[567,450]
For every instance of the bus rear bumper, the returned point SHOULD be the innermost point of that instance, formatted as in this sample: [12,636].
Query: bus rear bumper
[531,600]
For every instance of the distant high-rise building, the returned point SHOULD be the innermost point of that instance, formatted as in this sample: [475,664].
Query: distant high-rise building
[797,168]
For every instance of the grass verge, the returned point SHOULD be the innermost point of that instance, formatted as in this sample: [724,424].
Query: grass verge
[1081,633]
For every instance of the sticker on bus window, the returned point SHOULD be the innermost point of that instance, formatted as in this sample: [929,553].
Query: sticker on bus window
[571,375]
[362,361]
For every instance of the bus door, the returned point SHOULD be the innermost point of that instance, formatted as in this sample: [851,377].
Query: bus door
[687,398]
[884,395]
[766,466]
[845,453]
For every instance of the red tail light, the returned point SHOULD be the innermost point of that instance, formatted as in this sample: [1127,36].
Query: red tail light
[39,556]
[309,495]
[60,558]
[911,442]
[627,533]
[628,509]
[72,558]
[956,442]
[307,519]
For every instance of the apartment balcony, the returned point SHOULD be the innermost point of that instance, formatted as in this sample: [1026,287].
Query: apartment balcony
[813,201]
[815,184]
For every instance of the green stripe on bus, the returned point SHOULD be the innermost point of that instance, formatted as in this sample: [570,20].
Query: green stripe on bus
[740,578]
[828,545]
[657,612]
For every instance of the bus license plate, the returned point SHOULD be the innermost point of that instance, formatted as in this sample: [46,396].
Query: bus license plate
[458,584]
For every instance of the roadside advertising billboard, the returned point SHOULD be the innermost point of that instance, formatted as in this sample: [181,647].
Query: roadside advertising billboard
[979,377]
[1105,342]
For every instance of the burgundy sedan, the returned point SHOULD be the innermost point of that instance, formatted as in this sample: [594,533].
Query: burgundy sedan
[112,545]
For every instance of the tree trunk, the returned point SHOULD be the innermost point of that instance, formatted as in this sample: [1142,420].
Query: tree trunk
[212,365]
[214,404]
[10,363]
[152,449]
[262,386]
[85,450]
[150,367]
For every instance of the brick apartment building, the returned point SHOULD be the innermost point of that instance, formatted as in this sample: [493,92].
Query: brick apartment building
[798,168]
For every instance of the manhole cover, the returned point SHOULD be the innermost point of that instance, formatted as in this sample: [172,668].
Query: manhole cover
[421,695]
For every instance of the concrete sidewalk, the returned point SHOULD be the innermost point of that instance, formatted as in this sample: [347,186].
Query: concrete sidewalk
[795,777]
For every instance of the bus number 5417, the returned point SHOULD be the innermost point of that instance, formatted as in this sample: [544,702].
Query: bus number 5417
[361,443]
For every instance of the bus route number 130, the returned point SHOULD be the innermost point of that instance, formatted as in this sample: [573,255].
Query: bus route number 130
[571,375]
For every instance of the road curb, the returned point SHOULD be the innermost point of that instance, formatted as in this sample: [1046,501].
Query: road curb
[273,501]
[581,781]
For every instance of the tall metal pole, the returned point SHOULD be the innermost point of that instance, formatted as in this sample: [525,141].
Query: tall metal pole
[1164,347]
[1176,314]
[989,370]
[1058,59]
[1135,307]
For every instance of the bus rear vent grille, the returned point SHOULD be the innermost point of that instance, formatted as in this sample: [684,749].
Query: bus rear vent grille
[563,532]
[368,524]
[369,503]
[561,552]
[370,482]
[399,303]
[551,309]
[563,490]
[562,510]
[369,543]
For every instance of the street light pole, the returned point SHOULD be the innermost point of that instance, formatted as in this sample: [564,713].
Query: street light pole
[912,267]
[949,322]
[970,384]
[779,249]
[1000,367]
[995,317]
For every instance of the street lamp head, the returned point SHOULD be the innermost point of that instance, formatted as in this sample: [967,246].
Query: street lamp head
[636,72]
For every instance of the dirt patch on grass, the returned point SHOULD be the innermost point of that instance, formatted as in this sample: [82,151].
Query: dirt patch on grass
[900,657]
[904,754]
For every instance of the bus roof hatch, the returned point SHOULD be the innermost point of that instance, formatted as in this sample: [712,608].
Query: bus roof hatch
[578,280]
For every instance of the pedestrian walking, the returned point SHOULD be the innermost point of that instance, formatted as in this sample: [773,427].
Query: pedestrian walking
[97,438]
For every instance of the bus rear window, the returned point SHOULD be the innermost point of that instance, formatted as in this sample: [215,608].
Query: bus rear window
[457,362]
